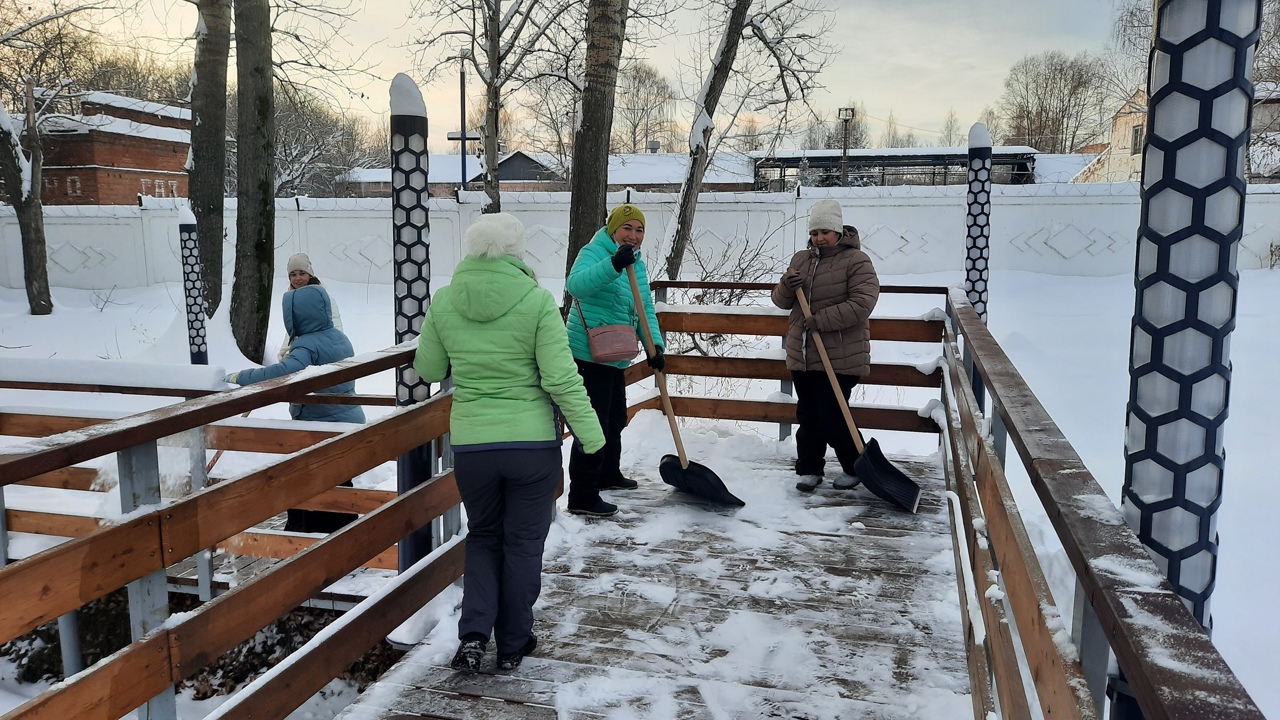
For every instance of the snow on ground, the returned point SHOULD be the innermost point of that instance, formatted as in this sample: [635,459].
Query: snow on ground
[1067,335]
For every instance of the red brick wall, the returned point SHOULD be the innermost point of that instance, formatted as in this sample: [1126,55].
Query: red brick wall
[98,168]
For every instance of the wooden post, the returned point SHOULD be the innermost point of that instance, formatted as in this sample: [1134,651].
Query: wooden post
[148,596]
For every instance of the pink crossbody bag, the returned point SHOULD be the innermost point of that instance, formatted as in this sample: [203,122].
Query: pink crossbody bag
[610,343]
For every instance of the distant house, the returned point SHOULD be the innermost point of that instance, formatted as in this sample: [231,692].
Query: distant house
[1121,159]
[116,149]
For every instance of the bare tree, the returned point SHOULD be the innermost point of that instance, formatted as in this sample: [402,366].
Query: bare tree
[255,189]
[786,37]
[952,134]
[893,136]
[495,39]
[1053,102]
[644,107]
[990,117]
[209,141]
[39,46]
[606,30]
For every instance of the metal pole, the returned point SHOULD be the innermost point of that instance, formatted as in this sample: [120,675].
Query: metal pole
[1200,89]
[977,241]
[148,596]
[411,233]
[462,124]
[69,641]
[844,156]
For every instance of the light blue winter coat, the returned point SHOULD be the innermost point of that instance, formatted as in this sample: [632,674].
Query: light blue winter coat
[308,318]
[605,296]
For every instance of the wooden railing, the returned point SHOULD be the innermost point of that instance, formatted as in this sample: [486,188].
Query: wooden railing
[59,580]
[1167,658]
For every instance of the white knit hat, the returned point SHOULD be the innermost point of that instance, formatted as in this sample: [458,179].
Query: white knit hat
[826,215]
[300,261]
[493,236]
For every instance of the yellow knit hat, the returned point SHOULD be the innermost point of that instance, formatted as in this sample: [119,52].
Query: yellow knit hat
[622,214]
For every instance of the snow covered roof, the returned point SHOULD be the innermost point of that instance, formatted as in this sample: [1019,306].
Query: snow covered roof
[128,103]
[78,124]
[670,168]
[1060,168]
[891,152]
[440,169]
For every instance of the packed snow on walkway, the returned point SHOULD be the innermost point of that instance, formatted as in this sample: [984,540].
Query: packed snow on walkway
[1069,336]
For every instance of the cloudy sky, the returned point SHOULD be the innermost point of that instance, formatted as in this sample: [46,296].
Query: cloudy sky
[916,58]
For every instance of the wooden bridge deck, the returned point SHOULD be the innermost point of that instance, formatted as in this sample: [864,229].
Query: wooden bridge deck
[862,622]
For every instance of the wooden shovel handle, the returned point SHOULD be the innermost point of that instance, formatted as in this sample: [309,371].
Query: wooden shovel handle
[831,374]
[647,336]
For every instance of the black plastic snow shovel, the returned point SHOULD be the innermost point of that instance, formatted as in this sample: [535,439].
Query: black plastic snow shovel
[679,472]
[874,470]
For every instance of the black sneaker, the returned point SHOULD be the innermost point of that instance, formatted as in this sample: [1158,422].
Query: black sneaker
[600,509]
[619,483]
[470,654]
[507,663]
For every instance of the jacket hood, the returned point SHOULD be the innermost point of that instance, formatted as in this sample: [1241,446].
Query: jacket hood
[307,310]
[485,289]
[850,238]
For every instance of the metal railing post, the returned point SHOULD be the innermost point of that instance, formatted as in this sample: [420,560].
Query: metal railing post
[784,429]
[199,481]
[4,533]
[69,641]
[148,596]
[1095,651]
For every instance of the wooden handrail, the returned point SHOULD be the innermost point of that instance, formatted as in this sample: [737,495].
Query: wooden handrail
[54,582]
[894,329]
[19,462]
[187,394]
[716,285]
[1168,659]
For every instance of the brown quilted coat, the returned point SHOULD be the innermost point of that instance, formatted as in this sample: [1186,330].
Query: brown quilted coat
[842,287]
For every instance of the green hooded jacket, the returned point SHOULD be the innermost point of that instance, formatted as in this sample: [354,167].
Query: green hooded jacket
[501,334]
[605,296]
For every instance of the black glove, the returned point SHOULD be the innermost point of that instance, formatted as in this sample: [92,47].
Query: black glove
[657,360]
[792,280]
[811,323]
[625,256]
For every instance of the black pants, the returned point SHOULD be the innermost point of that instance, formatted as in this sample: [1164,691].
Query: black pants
[607,387]
[821,422]
[509,496]
[317,521]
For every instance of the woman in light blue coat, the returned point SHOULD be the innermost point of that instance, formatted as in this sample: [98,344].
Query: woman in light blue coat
[308,318]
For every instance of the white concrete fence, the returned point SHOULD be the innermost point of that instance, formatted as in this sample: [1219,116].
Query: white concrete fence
[1062,229]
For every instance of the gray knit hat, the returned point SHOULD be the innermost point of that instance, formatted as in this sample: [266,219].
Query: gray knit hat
[826,215]
[300,261]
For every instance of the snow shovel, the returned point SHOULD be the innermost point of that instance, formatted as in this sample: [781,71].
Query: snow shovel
[872,467]
[679,472]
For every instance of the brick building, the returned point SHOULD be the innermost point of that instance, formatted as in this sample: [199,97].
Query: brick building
[114,150]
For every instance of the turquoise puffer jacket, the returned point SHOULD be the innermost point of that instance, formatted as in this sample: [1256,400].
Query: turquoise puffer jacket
[604,294]
[308,318]
[501,334]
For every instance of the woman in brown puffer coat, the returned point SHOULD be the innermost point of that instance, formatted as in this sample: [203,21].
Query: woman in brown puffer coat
[842,288]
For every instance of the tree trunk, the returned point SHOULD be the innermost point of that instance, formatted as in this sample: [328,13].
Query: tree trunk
[255,191]
[698,151]
[493,104]
[208,168]
[35,261]
[588,184]
[27,207]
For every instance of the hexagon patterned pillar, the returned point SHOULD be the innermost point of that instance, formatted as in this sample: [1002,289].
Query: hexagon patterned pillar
[977,220]
[977,238]
[1201,92]
[193,285]
[411,241]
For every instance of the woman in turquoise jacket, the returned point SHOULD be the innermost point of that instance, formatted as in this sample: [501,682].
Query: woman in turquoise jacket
[501,337]
[602,296]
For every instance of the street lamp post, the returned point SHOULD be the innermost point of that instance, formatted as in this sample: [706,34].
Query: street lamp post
[846,115]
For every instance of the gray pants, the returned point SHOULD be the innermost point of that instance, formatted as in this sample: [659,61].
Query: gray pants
[509,496]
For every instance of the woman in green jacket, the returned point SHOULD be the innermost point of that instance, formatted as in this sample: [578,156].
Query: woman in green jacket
[602,296]
[501,336]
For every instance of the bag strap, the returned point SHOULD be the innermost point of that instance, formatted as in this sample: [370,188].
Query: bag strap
[578,305]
